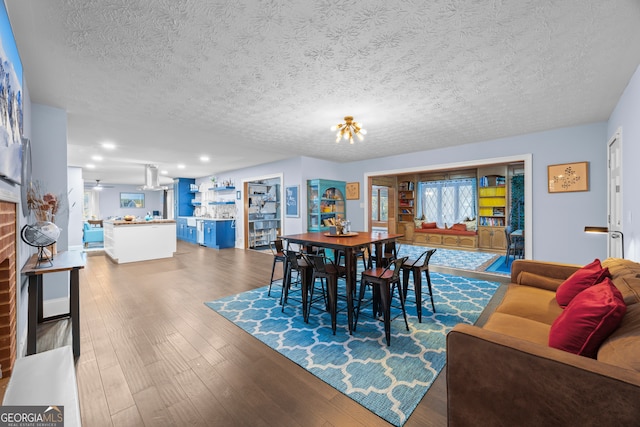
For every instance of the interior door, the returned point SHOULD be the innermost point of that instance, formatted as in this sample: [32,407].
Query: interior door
[380,206]
[615,196]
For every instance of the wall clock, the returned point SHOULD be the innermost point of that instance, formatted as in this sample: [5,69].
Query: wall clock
[26,175]
[353,190]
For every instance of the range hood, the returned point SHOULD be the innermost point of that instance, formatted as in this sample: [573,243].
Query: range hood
[151,179]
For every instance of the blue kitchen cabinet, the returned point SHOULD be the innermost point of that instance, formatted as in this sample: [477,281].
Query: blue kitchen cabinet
[219,234]
[182,197]
[181,228]
[185,232]
[192,235]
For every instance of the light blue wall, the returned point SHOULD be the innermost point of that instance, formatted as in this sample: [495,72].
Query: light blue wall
[294,172]
[110,201]
[76,208]
[49,153]
[558,219]
[289,169]
[626,116]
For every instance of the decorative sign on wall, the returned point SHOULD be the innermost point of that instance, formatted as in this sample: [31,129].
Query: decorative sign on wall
[292,206]
[353,190]
[568,177]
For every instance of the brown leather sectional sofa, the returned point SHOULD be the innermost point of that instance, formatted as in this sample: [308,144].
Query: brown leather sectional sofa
[505,373]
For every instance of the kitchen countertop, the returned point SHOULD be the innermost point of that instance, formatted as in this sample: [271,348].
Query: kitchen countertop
[202,218]
[140,222]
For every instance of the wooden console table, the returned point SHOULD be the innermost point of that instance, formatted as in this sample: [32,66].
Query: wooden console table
[71,261]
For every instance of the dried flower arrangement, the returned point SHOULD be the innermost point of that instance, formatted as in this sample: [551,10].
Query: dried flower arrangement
[44,205]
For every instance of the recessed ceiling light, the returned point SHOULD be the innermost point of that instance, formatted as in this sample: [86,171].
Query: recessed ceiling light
[97,158]
[91,166]
[181,166]
[108,145]
[204,158]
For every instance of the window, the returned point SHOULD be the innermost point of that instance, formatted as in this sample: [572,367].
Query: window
[379,203]
[448,201]
[91,208]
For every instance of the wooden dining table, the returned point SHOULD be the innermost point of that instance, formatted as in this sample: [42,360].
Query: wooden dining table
[349,244]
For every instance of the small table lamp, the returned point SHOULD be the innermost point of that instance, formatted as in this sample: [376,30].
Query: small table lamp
[614,234]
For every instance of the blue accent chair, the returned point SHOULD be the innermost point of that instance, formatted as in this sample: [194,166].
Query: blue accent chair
[92,234]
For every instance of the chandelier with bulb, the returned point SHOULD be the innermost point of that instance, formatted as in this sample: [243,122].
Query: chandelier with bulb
[348,129]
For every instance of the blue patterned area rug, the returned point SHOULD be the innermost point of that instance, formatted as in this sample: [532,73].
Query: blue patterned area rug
[465,260]
[389,381]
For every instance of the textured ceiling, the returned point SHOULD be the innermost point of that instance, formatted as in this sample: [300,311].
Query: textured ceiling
[248,82]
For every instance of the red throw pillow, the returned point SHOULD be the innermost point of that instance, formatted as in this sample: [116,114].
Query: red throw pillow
[459,227]
[582,279]
[588,320]
[426,225]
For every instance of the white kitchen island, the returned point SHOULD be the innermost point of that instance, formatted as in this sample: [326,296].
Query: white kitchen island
[131,241]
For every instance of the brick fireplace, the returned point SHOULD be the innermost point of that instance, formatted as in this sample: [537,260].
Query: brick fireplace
[7,286]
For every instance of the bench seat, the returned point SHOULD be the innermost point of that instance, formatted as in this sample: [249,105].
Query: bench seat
[446,237]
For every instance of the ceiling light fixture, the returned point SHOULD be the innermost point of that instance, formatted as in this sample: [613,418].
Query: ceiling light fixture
[348,129]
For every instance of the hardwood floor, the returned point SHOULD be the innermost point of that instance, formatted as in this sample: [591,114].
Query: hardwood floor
[153,354]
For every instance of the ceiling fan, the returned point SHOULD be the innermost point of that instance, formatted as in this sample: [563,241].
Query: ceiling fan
[99,187]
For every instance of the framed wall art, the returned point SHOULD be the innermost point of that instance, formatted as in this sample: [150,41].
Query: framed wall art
[132,200]
[292,196]
[353,190]
[568,177]
[11,119]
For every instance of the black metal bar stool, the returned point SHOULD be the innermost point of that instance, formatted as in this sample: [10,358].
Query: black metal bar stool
[418,266]
[277,248]
[363,252]
[389,253]
[324,268]
[295,263]
[383,281]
